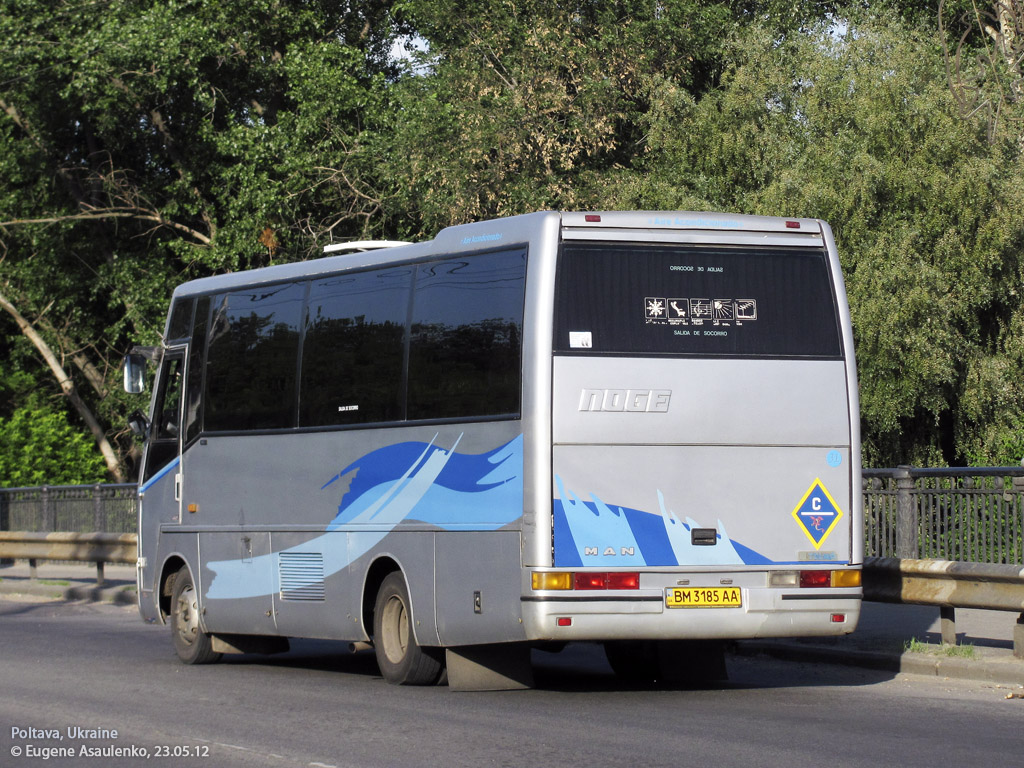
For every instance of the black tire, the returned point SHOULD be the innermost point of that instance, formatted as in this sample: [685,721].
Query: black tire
[633,661]
[685,662]
[401,660]
[192,645]
[705,662]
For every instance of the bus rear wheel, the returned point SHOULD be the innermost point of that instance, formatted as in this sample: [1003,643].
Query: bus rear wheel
[192,645]
[633,661]
[401,660]
[681,662]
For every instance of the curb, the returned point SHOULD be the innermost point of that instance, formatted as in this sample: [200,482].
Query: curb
[117,594]
[123,595]
[1008,671]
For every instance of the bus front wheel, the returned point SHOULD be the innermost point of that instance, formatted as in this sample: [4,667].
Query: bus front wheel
[401,660]
[192,645]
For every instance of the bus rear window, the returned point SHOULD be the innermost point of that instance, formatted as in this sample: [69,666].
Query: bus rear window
[642,299]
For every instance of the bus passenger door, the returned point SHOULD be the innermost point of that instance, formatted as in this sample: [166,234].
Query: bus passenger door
[160,492]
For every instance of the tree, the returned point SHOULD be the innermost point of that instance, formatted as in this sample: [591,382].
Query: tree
[983,46]
[540,105]
[39,447]
[142,143]
[862,131]
[67,387]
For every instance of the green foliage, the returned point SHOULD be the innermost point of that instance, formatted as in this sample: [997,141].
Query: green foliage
[964,651]
[862,131]
[143,143]
[540,105]
[39,447]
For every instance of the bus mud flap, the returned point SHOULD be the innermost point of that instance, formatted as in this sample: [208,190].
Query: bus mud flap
[265,644]
[497,667]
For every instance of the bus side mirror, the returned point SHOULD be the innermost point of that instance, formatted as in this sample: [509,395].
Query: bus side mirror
[139,424]
[134,374]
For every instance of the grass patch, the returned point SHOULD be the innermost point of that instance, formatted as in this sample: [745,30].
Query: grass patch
[965,651]
[55,582]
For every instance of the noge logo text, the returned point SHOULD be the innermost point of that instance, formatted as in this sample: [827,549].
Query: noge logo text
[626,400]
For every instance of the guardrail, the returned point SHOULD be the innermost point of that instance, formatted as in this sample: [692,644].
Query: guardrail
[949,537]
[98,548]
[948,585]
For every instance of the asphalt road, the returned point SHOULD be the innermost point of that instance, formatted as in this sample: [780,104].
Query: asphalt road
[99,667]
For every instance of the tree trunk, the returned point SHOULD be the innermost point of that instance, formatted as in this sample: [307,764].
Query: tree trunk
[68,387]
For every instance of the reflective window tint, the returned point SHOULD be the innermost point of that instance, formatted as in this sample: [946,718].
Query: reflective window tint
[252,360]
[193,403]
[163,446]
[354,348]
[401,343]
[167,414]
[180,326]
[634,299]
[466,336]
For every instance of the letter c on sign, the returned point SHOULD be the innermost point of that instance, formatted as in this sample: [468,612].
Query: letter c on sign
[816,504]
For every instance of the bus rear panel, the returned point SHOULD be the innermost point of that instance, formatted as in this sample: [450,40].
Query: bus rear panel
[704,448]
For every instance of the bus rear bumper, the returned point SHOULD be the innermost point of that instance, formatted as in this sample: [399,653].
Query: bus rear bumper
[765,613]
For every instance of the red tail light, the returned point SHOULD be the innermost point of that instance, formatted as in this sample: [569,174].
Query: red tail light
[589,581]
[815,579]
[615,580]
[623,581]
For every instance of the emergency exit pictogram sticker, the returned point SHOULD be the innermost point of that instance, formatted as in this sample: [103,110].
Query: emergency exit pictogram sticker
[817,513]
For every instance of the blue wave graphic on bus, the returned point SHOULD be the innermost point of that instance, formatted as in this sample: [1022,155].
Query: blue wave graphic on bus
[398,483]
[595,533]
[483,490]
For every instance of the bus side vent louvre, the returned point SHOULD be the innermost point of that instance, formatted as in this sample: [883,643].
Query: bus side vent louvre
[302,575]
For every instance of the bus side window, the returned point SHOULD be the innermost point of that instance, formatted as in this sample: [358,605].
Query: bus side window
[180,324]
[252,358]
[466,337]
[193,404]
[169,410]
[354,348]
[163,445]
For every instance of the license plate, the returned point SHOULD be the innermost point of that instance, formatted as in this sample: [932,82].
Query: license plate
[703,597]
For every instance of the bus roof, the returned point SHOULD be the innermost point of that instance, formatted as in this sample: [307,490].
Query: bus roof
[649,226]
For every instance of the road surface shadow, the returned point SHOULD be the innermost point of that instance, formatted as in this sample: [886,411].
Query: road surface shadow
[582,668]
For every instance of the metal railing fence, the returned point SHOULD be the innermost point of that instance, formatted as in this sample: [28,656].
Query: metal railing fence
[71,508]
[973,514]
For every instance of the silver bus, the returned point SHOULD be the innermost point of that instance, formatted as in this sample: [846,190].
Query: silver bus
[632,428]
